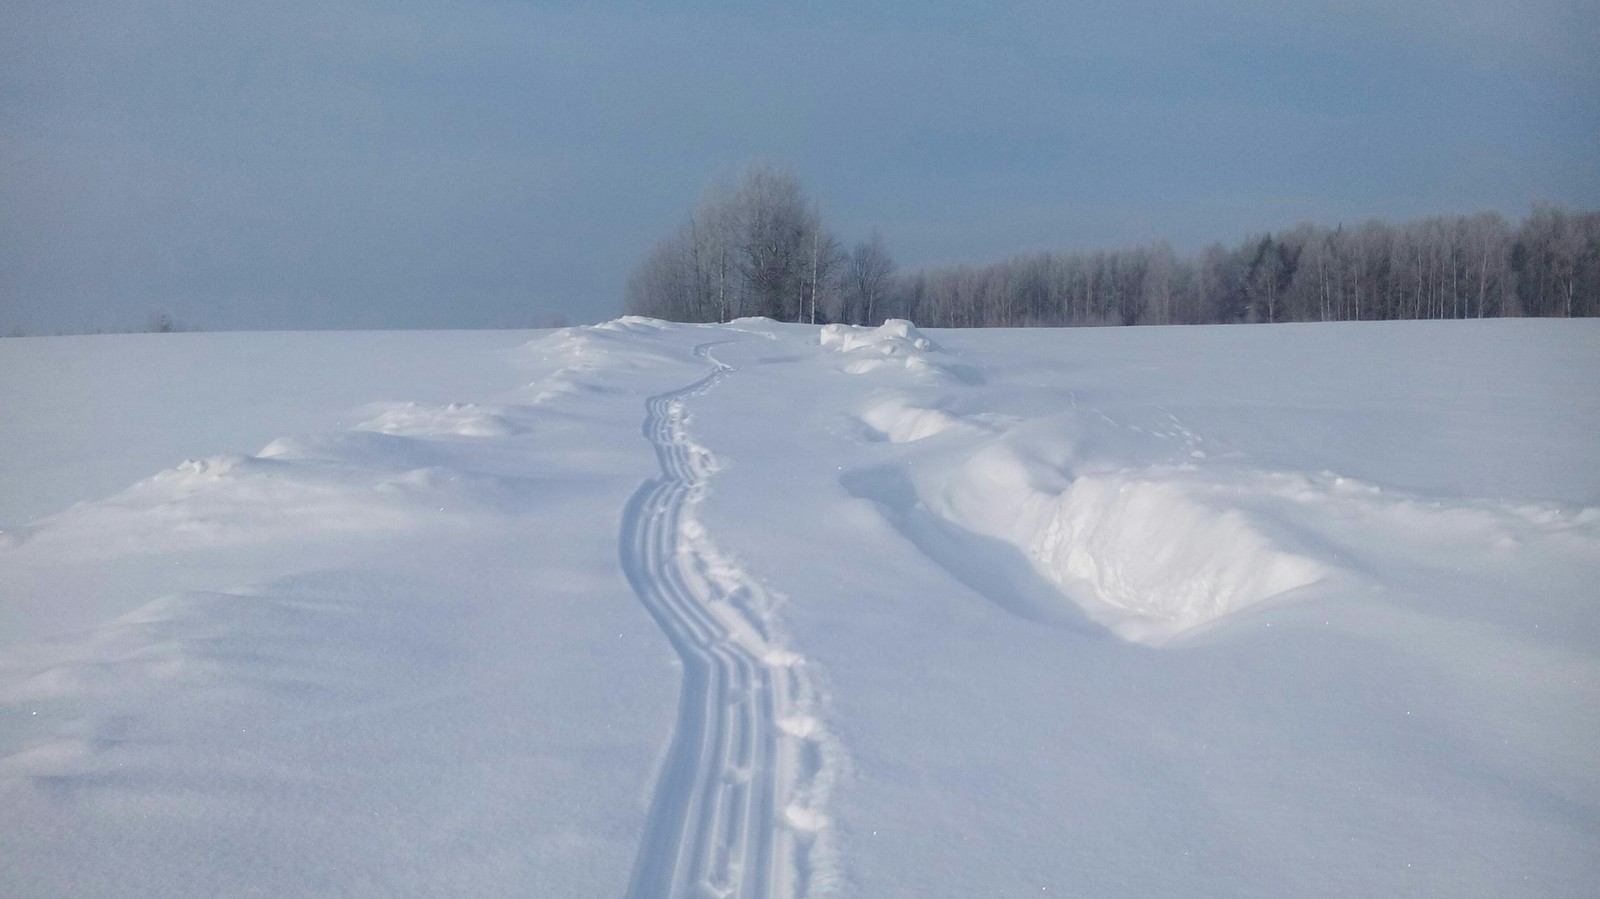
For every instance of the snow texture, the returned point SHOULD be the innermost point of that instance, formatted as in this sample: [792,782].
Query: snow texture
[767,610]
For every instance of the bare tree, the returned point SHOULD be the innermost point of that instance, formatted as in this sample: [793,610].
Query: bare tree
[773,249]
[658,286]
[869,271]
[756,248]
[713,233]
[824,286]
[760,248]
[1160,272]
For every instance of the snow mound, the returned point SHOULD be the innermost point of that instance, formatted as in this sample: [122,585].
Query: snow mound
[563,384]
[434,420]
[1375,527]
[634,324]
[1150,552]
[1161,549]
[294,489]
[596,359]
[897,420]
[586,348]
[1154,550]
[300,646]
[895,337]
[896,344]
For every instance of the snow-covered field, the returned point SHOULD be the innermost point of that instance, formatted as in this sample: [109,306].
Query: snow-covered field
[757,610]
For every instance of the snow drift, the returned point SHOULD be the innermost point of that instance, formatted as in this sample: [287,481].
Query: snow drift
[408,648]
[895,345]
[1150,553]
[899,420]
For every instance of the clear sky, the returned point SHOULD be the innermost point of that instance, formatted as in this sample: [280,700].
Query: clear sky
[290,164]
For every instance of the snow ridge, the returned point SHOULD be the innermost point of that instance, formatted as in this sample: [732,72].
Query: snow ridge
[739,804]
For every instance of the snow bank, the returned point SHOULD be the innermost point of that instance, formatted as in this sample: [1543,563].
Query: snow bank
[1157,546]
[894,345]
[1150,553]
[626,341]
[595,359]
[1153,541]
[895,337]
[153,403]
[635,324]
[413,419]
[240,500]
[1114,518]
[899,420]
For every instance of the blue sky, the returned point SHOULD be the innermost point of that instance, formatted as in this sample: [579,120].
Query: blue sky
[308,165]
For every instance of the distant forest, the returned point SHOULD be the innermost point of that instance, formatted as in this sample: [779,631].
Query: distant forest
[759,247]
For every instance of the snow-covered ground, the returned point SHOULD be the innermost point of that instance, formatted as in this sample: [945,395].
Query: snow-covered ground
[761,610]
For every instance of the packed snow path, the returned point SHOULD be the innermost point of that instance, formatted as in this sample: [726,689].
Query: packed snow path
[742,753]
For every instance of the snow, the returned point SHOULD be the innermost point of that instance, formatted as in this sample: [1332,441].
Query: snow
[643,609]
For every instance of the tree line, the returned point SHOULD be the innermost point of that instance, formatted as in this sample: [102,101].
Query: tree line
[759,247]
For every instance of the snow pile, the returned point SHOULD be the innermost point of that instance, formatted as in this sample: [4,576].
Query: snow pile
[894,344]
[898,420]
[640,325]
[1150,553]
[396,472]
[232,500]
[753,322]
[625,341]
[595,359]
[1116,520]
[1163,547]
[150,404]
[894,337]
[413,419]
[292,643]
[289,491]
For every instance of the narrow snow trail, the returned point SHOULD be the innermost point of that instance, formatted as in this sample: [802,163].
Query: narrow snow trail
[727,819]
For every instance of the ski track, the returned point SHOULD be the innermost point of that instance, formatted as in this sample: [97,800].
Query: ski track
[729,817]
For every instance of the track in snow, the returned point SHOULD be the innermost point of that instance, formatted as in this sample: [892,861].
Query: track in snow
[732,814]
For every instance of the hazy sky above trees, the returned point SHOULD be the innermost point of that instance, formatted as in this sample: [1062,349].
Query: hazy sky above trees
[399,164]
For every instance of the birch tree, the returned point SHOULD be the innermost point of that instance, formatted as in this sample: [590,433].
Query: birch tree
[868,273]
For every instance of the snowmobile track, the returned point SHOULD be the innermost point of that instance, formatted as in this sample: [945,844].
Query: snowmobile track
[720,823]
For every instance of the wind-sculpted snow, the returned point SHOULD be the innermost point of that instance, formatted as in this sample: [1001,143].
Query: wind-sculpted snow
[1151,552]
[895,337]
[1136,523]
[341,659]
[594,359]
[440,420]
[898,420]
[1254,612]
[357,483]
[1158,550]
[895,345]
[740,806]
